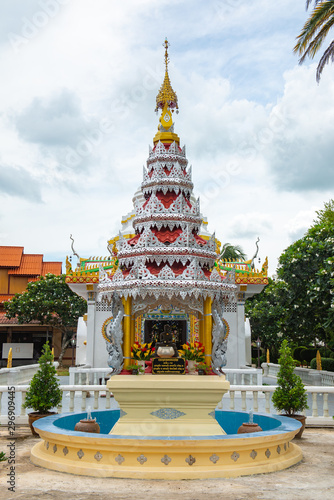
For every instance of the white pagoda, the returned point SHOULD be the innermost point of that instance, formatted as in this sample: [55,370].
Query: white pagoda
[164,267]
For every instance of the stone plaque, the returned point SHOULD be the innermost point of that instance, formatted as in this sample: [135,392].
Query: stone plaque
[162,366]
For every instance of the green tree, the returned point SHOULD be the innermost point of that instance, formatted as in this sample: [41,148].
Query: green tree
[290,395]
[300,302]
[306,267]
[266,314]
[44,393]
[314,33]
[51,302]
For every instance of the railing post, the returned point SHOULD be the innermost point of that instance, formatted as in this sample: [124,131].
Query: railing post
[83,400]
[325,404]
[23,410]
[71,406]
[243,401]
[267,397]
[232,394]
[96,400]
[255,401]
[108,400]
[314,405]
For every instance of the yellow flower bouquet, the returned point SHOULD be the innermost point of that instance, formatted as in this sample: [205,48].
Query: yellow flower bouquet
[193,351]
[142,352]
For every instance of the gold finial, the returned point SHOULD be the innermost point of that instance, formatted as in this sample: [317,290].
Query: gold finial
[166,94]
[166,45]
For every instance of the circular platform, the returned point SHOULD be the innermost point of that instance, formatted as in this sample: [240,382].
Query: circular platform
[180,457]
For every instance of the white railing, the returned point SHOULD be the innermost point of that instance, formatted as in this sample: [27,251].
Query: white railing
[239,398]
[19,374]
[243,376]
[308,376]
[87,376]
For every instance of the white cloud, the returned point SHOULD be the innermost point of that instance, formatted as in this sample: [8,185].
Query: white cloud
[301,156]
[81,92]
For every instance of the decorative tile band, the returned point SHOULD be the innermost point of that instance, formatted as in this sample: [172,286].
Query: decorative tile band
[142,459]
[166,459]
[167,413]
[119,459]
[190,460]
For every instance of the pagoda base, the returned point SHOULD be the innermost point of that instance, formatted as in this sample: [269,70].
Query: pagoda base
[167,405]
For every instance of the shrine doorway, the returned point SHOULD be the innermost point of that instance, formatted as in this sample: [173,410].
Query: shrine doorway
[153,328]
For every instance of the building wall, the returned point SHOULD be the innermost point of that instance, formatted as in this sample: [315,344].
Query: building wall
[3,281]
[17,284]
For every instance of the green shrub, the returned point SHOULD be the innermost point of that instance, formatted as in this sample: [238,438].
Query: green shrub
[326,364]
[325,352]
[297,353]
[290,395]
[309,354]
[3,457]
[44,393]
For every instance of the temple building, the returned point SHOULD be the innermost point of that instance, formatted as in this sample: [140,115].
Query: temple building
[164,268]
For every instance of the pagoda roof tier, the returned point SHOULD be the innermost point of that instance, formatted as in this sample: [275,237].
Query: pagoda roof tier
[166,220]
[192,283]
[178,206]
[166,153]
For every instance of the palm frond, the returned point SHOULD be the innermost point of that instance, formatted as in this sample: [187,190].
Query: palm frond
[315,45]
[321,14]
[308,2]
[327,56]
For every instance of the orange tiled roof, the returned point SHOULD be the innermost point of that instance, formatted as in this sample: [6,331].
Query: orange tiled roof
[31,264]
[13,321]
[51,267]
[10,256]
[5,297]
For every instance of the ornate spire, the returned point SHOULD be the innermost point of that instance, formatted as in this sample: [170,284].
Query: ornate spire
[166,95]
[167,102]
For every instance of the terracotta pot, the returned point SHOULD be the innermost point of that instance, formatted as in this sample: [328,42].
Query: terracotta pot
[36,415]
[248,427]
[87,426]
[302,420]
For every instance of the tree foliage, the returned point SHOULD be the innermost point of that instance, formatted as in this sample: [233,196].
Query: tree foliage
[44,393]
[307,269]
[51,302]
[232,252]
[300,302]
[290,395]
[266,313]
[314,33]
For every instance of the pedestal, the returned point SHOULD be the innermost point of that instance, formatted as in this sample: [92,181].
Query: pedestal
[167,405]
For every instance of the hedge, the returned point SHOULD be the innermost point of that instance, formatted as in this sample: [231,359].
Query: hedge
[326,364]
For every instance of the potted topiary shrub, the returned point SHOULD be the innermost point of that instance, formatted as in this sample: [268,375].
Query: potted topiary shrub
[290,396]
[43,393]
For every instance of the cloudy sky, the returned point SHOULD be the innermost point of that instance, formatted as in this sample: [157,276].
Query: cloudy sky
[78,86]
